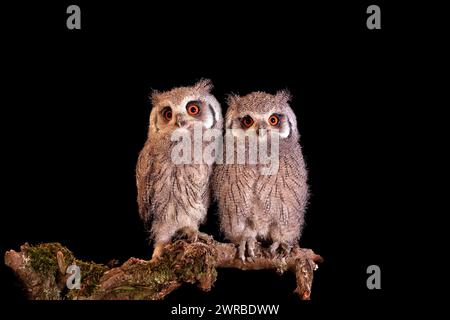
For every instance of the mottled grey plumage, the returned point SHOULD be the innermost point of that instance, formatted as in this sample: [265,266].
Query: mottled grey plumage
[254,206]
[175,197]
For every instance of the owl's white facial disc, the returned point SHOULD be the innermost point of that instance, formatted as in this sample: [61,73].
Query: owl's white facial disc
[251,123]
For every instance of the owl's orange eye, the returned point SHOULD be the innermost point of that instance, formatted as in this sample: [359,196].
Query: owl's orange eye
[167,113]
[193,108]
[274,120]
[247,121]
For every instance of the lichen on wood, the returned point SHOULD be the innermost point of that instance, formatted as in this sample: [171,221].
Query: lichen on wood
[41,268]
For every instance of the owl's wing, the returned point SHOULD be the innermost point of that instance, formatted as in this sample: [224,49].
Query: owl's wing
[144,169]
[233,189]
[284,195]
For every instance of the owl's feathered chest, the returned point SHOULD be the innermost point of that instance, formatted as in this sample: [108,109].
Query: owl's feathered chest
[178,190]
[275,196]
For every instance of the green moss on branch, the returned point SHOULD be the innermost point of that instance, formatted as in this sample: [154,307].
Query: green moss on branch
[42,269]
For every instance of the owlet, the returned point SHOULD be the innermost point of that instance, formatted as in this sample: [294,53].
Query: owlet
[173,196]
[255,203]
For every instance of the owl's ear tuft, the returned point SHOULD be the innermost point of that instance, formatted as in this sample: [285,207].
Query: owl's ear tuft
[154,96]
[232,99]
[283,96]
[204,85]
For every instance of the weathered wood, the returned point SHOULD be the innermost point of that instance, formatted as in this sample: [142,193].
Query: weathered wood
[41,270]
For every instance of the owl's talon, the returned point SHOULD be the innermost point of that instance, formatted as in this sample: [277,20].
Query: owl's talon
[251,247]
[273,249]
[246,250]
[157,251]
[193,238]
[241,251]
[242,258]
[204,237]
[192,235]
[286,249]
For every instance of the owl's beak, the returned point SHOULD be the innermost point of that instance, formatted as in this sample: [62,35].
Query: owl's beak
[180,120]
[261,131]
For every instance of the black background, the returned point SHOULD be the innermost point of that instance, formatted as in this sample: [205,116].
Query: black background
[77,116]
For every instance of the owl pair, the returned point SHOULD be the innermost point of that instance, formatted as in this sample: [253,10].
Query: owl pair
[252,206]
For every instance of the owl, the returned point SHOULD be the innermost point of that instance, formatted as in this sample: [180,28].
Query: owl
[252,204]
[173,197]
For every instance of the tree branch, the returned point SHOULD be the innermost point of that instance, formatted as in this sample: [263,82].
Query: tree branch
[42,268]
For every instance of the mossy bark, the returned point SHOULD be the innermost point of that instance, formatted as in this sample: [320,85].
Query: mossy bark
[42,269]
